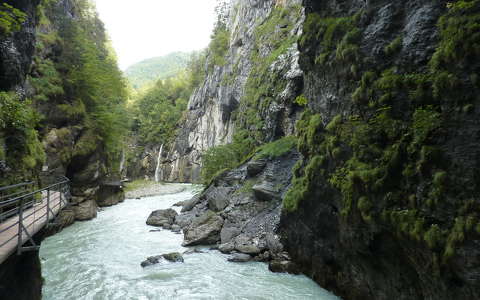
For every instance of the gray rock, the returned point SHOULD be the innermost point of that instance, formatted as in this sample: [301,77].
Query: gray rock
[175,228]
[244,244]
[162,217]
[240,257]
[228,233]
[273,243]
[226,248]
[180,203]
[151,261]
[218,199]
[189,204]
[185,219]
[283,266]
[264,257]
[254,167]
[248,249]
[205,230]
[265,191]
[86,210]
[173,257]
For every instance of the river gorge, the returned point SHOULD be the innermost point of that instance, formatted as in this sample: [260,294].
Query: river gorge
[100,259]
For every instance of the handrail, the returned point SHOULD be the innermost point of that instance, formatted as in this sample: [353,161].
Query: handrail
[30,210]
[32,193]
[16,185]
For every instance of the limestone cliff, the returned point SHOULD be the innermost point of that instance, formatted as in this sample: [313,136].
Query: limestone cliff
[213,110]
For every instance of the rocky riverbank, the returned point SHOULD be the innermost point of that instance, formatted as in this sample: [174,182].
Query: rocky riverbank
[239,212]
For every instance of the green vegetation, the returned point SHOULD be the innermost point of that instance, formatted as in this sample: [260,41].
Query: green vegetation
[277,148]
[338,38]
[11,19]
[157,111]
[301,100]
[149,71]
[21,147]
[385,161]
[78,86]
[264,85]
[217,50]
[218,159]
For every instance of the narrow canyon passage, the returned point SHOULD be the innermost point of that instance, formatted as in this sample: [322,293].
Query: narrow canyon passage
[100,259]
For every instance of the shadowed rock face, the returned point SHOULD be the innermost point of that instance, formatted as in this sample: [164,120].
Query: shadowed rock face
[21,277]
[361,259]
[16,51]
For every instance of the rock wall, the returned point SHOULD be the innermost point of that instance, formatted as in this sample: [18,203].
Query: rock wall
[71,148]
[24,56]
[213,108]
[21,277]
[385,202]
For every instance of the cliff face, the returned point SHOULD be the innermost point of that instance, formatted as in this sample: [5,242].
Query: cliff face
[46,126]
[385,203]
[214,109]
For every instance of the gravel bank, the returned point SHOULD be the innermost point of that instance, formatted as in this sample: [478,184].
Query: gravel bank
[155,188]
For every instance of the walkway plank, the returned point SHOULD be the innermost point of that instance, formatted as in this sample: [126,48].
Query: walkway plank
[34,219]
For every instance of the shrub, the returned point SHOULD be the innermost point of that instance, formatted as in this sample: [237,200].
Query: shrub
[225,157]
[11,19]
[277,148]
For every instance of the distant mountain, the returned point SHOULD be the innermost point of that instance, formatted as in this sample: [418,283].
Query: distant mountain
[152,69]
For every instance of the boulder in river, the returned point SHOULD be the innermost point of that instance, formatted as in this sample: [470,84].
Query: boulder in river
[226,248]
[162,217]
[240,257]
[173,257]
[175,228]
[152,260]
[204,230]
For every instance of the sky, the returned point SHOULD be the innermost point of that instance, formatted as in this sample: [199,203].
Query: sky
[142,29]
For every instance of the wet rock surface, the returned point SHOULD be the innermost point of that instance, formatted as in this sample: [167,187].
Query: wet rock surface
[173,257]
[240,257]
[153,260]
[162,217]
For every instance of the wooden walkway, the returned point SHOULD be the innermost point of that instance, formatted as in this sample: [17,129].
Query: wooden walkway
[33,219]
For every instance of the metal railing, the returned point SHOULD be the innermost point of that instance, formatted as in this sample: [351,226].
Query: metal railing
[18,200]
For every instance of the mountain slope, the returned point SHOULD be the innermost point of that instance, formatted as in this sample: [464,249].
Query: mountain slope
[152,69]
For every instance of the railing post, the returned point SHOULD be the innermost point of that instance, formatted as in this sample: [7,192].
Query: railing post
[48,205]
[20,226]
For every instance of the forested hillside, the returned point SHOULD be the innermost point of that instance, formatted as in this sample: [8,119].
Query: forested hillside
[63,110]
[147,72]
